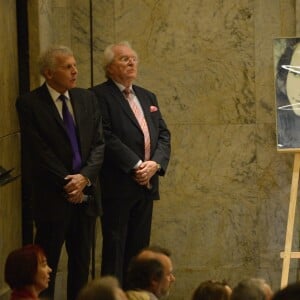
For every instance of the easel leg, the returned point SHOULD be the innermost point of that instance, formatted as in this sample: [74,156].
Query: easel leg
[290,223]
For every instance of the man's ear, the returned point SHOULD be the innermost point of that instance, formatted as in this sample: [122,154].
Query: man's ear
[48,74]
[154,285]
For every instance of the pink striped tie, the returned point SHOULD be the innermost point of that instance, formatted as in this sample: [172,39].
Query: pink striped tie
[141,120]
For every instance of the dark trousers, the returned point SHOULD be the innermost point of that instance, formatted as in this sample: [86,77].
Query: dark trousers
[76,231]
[126,228]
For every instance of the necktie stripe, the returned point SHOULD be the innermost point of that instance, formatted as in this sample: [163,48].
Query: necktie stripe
[141,120]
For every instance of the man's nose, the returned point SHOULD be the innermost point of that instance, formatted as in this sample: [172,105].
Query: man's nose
[132,60]
[74,70]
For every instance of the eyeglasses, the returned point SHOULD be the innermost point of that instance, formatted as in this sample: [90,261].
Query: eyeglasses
[126,59]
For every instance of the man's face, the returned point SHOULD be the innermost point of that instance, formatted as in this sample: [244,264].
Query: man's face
[123,69]
[268,292]
[163,287]
[293,81]
[64,75]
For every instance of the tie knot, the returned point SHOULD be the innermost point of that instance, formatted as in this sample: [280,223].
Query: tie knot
[127,92]
[62,97]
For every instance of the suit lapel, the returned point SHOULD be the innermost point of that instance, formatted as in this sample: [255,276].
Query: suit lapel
[119,98]
[145,104]
[47,101]
[146,109]
[78,108]
[143,99]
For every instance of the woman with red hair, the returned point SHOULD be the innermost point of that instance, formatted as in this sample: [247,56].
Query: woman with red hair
[27,272]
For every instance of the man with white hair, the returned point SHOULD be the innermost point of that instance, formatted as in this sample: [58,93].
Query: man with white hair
[252,289]
[137,152]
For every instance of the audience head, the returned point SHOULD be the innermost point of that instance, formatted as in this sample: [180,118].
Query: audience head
[27,268]
[212,290]
[152,270]
[152,251]
[252,289]
[145,273]
[104,288]
[291,292]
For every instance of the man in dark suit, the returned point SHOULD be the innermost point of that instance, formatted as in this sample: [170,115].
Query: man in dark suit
[137,152]
[61,129]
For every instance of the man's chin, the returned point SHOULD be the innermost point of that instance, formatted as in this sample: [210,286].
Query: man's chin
[165,294]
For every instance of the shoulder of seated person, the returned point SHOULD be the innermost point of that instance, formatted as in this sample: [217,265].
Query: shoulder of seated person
[137,295]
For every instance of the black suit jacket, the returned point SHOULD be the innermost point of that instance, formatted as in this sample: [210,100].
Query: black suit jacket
[125,141]
[49,149]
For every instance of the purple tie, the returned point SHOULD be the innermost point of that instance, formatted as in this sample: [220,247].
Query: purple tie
[71,130]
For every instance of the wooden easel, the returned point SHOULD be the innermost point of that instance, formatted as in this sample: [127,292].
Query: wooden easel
[287,254]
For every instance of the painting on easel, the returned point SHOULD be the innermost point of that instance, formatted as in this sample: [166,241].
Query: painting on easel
[287,87]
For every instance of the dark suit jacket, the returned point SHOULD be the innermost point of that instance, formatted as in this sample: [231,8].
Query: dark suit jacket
[47,142]
[125,141]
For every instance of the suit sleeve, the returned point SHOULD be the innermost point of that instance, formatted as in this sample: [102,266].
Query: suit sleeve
[41,152]
[94,161]
[124,157]
[162,149]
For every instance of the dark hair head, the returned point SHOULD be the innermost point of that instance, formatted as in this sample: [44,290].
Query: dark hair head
[291,292]
[211,290]
[142,272]
[21,266]
[157,249]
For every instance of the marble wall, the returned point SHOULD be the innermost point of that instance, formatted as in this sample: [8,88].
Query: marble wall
[224,200]
[225,197]
[10,194]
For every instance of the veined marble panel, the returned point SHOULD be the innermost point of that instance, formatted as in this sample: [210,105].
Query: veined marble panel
[81,40]
[10,204]
[199,56]
[103,34]
[208,214]
[10,200]
[224,199]
[9,68]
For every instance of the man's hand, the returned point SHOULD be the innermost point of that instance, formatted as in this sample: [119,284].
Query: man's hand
[145,171]
[74,187]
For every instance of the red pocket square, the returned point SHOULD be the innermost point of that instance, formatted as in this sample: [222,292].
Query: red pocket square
[153,108]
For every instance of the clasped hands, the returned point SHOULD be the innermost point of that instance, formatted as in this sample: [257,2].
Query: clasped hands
[74,187]
[144,172]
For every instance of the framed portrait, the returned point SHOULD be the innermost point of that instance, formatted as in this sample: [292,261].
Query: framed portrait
[286,53]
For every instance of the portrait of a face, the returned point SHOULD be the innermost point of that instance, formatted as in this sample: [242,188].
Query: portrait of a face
[293,81]
[287,85]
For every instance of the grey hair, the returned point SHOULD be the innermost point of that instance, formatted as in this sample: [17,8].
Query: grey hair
[250,289]
[47,59]
[101,288]
[109,54]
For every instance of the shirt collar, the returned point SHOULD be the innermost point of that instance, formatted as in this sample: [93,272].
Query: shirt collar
[122,87]
[54,94]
